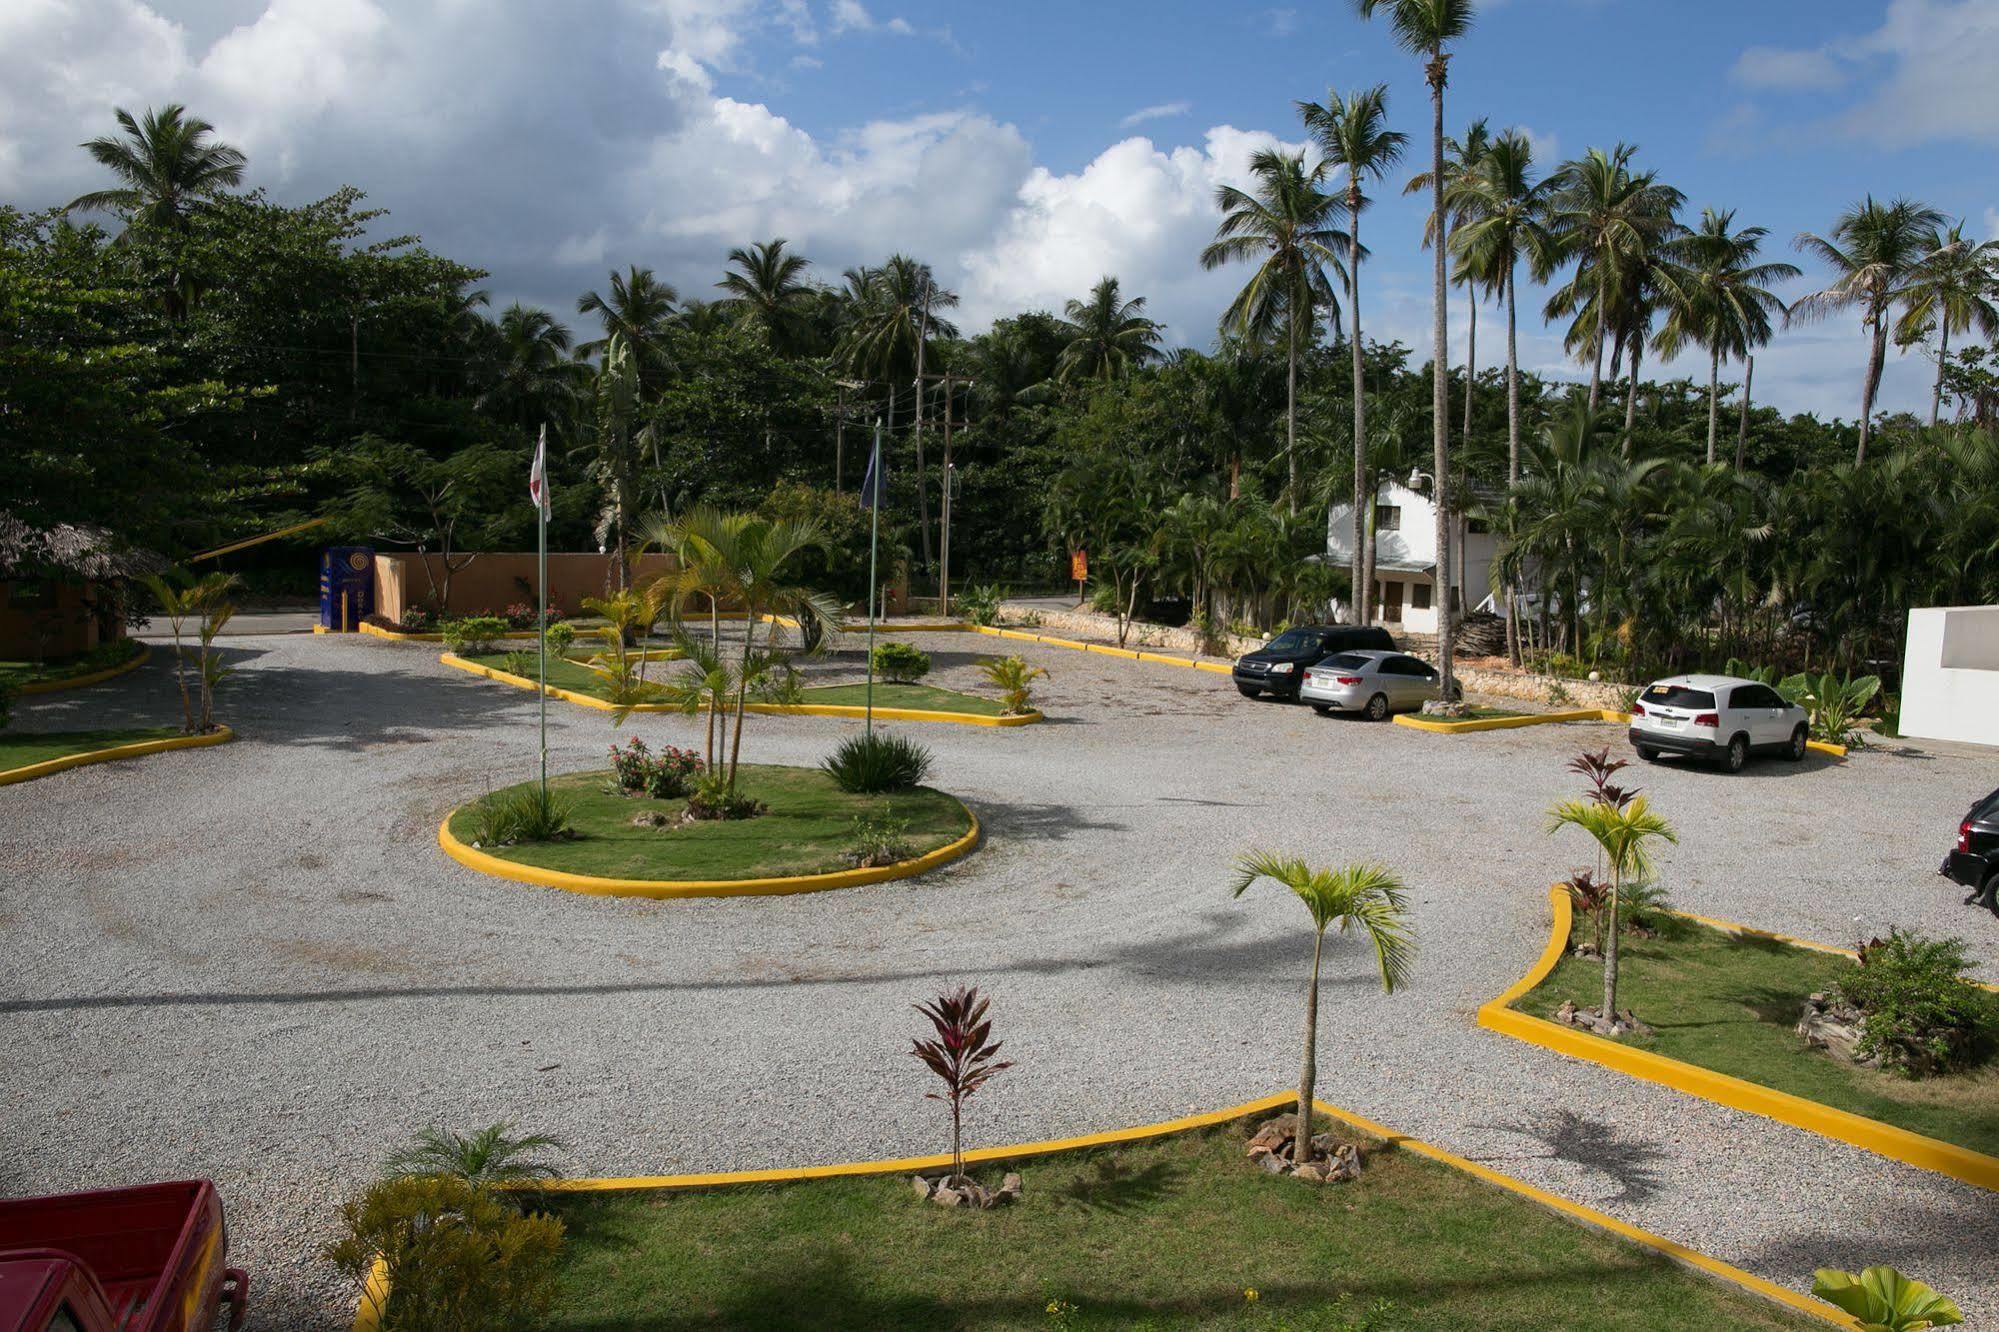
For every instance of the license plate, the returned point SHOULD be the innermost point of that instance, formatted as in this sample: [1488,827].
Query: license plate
[1672,723]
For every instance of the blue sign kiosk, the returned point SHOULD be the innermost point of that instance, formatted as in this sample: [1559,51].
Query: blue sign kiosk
[346,588]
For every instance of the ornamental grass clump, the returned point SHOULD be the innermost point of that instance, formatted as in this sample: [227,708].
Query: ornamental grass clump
[1920,1015]
[869,764]
[522,814]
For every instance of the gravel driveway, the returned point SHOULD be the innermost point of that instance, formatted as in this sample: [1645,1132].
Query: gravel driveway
[252,962]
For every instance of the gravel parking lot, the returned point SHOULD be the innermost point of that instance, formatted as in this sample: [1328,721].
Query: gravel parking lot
[252,962]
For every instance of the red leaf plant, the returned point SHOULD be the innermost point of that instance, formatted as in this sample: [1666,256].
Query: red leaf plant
[962,1055]
[1596,770]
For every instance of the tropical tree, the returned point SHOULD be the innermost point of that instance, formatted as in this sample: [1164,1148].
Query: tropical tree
[1873,250]
[1720,300]
[639,309]
[616,456]
[1352,132]
[766,292]
[1286,229]
[168,164]
[1625,834]
[1426,28]
[205,600]
[1364,898]
[535,381]
[1464,165]
[1107,335]
[1950,291]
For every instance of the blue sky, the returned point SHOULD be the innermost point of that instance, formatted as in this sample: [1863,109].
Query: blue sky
[1023,149]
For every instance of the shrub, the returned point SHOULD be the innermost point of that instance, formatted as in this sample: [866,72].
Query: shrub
[523,814]
[666,775]
[713,798]
[9,691]
[520,615]
[776,681]
[458,1258]
[1013,677]
[491,1155]
[1834,703]
[559,637]
[963,1056]
[880,838]
[473,633]
[415,620]
[902,663]
[1921,1015]
[981,603]
[870,764]
[1882,1298]
[522,663]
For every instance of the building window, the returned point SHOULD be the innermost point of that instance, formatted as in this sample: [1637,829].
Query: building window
[1388,518]
[30,594]
[1419,596]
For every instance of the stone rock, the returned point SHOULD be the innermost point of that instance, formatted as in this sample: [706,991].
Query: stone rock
[1826,1024]
[1343,1164]
[1309,1171]
[1273,1164]
[650,818]
[1273,1134]
[924,1187]
[946,1196]
[1589,1019]
[1010,1186]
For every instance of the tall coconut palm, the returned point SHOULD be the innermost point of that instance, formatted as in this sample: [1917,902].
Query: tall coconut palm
[1352,132]
[1872,250]
[766,292]
[536,379]
[1723,304]
[639,310]
[1464,165]
[1286,229]
[1425,28]
[1625,834]
[1952,292]
[616,454]
[1107,335]
[168,163]
[1366,898]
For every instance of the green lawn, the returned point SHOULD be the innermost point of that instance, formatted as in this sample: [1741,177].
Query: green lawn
[929,698]
[1730,1003]
[806,831]
[1165,1234]
[18,749]
[64,668]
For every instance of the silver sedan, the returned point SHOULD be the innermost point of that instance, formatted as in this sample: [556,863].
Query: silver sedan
[1373,683]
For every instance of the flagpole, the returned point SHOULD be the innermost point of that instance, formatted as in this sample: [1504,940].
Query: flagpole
[541,618]
[874,539]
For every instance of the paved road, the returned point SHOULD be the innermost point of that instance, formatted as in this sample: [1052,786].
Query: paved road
[251,962]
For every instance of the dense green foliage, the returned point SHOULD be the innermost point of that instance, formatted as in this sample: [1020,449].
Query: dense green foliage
[877,761]
[1922,1015]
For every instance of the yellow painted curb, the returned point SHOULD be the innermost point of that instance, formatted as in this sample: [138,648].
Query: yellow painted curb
[1446,727]
[1103,649]
[473,858]
[137,660]
[48,767]
[376,1291]
[457,662]
[1960,1163]
[374,1299]
[891,631]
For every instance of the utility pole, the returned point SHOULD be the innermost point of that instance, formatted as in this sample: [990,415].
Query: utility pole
[840,434]
[949,381]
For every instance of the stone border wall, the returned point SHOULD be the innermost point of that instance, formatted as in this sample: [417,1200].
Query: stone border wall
[1144,636]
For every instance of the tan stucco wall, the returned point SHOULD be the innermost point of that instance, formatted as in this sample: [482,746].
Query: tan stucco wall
[495,580]
[72,625]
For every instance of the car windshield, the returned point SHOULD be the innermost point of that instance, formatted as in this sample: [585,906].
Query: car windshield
[1678,696]
[1346,661]
[1292,640]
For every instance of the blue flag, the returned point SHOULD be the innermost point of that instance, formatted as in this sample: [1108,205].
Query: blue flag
[874,486]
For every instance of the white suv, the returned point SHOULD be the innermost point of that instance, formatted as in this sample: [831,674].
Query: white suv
[1716,716]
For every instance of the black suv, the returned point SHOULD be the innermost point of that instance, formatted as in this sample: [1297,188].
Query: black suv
[1279,666]
[1974,861]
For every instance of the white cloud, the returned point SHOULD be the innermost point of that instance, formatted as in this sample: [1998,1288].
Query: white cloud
[1163,111]
[1283,22]
[900,26]
[1788,71]
[851,15]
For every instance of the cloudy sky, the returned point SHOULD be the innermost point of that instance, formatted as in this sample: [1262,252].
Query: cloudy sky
[1023,149]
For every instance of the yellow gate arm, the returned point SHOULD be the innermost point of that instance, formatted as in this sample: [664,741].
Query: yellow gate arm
[256,540]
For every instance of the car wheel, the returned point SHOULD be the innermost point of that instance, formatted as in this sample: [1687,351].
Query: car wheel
[1377,707]
[1796,749]
[1247,692]
[1738,754]
[1322,709]
[1649,754]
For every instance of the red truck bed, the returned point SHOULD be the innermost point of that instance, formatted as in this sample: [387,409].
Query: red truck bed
[156,1251]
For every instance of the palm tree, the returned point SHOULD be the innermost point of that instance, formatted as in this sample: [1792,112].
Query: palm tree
[639,310]
[1368,898]
[1951,290]
[766,292]
[1723,304]
[491,1155]
[1353,133]
[616,454]
[1107,336]
[1625,834]
[1425,28]
[1873,249]
[536,380]
[1286,229]
[167,162]
[1464,166]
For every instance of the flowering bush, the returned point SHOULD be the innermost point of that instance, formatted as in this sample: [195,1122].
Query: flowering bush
[663,776]
[520,615]
[416,619]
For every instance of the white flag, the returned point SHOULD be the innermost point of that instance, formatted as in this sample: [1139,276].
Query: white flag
[538,474]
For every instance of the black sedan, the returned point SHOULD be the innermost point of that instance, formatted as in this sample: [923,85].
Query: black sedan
[1278,666]
[1974,861]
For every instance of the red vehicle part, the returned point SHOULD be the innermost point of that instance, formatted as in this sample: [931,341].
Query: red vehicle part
[144,1259]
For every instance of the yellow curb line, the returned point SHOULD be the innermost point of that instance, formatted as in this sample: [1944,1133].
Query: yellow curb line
[1157,658]
[1899,1144]
[457,662]
[376,1292]
[95,677]
[890,631]
[49,767]
[663,889]
[1542,718]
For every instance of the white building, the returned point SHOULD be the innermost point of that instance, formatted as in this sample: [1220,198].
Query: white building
[1950,674]
[1405,558]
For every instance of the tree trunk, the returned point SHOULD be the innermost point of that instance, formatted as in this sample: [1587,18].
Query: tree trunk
[1291,418]
[1596,365]
[1631,392]
[1440,404]
[742,689]
[1471,356]
[1358,595]
[1308,1071]
[1877,335]
[1610,947]
[1512,454]
[1713,398]
[1742,414]
[922,476]
[1943,355]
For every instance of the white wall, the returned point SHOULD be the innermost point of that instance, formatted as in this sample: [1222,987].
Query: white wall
[1950,674]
